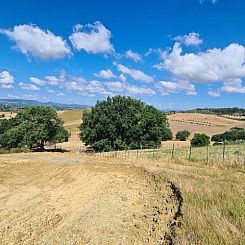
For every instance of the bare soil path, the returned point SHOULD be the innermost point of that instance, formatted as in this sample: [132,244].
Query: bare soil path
[53,198]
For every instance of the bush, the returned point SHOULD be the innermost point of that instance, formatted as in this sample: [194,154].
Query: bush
[120,123]
[200,140]
[182,135]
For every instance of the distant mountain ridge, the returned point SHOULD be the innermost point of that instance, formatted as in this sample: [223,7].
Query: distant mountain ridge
[21,102]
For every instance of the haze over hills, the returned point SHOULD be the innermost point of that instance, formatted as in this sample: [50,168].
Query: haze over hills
[21,102]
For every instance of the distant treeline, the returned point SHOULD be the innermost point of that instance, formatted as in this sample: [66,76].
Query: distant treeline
[10,108]
[220,111]
[18,107]
[233,134]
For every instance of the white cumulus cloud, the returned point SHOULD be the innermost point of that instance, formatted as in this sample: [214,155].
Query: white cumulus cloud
[6,80]
[213,65]
[214,93]
[33,41]
[122,77]
[115,86]
[135,90]
[135,74]
[133,55]
[167,87]
[233,86]
[38,81]
[53,80]
[28,86]
[106,74]
[93,38]
[192,38]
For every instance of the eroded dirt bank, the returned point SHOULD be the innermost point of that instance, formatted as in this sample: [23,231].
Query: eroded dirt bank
[51,198]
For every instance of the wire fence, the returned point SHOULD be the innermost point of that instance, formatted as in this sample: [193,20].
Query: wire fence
[232,154]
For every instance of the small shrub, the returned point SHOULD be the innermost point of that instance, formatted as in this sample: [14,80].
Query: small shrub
[182,135]
[200,140]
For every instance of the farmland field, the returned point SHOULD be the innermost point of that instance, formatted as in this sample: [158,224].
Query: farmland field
[129,197]
[113,199]
[202,123]
[50,198]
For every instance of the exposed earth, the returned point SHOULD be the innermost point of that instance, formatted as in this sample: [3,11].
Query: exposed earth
[54,198]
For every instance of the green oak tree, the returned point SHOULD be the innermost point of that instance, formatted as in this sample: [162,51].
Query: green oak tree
[32,127]
[121,122]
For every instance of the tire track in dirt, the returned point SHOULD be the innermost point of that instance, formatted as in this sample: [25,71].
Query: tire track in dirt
[46,198]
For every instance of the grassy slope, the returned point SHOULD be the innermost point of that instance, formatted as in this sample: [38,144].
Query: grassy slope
[72,119]
[71,115]
[214,210]
[214,197]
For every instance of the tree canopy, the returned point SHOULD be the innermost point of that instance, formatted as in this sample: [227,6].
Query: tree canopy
[32,127]
[120,123]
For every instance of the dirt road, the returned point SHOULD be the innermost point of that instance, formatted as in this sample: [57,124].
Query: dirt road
[54,198]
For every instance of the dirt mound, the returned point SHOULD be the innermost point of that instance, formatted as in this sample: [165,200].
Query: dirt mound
[49,198]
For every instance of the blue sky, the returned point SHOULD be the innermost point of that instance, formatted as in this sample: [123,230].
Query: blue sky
[173,54]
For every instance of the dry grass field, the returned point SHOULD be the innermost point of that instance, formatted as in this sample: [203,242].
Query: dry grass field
[194,122]
[126,197]
[64,198]
[202,123]
[72,119]
[69,198]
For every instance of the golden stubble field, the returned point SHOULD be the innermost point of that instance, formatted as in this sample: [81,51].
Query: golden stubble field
[71,198]
[202,123]
[66,198]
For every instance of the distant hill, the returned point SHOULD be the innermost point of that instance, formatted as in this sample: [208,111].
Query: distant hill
[23,103]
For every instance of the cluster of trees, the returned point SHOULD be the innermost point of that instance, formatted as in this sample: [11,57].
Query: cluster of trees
[121,123]
[32,127]
[197,141]
[231,135]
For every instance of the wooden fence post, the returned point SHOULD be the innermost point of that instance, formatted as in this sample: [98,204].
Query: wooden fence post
[190,153]
[173,152]
[224,151]
[207,154]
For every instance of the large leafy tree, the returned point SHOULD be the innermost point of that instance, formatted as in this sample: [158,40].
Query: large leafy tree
[121,122]
[32,127]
